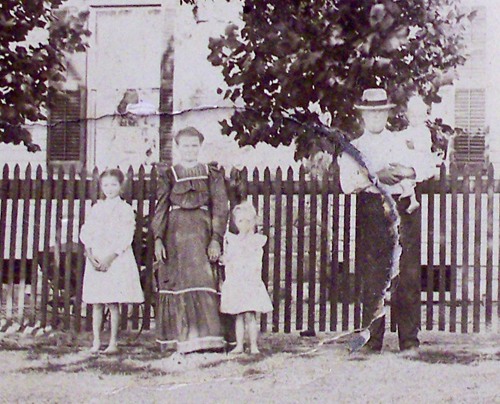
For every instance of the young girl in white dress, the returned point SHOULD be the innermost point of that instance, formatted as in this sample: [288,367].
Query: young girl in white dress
[111,273]
[243,293]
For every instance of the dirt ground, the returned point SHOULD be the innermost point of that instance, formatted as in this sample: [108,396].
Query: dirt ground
[449,368]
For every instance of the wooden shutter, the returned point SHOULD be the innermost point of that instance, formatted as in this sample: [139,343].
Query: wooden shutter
[66,135]
[470,109]
[469,149]
[470,116]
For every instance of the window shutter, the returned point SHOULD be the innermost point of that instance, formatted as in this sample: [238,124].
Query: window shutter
[470,115]
[469,149]
[470,109]
[66,140]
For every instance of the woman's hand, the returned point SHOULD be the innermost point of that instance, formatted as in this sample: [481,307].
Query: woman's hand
[160,251]
[395,173]
[93,260]
[107,261]
[214,251]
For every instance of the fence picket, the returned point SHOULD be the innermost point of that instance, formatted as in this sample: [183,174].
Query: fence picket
[300,249]
[311,270]
[323,280]
[128,195]
[477,252]
[266,229]
[47,194]
[37,197]
[489,247]
[454,248]
[150,280]
[442,248]
[68,264]
[289,250]
[346,259]
[12,245]
[277,250]
[82,190]
[430,257]
[26,196]
[3,219]
[465,256]
[255,191]
[56,263]
[95,194]
[138,195]
[244,184]
[334,288]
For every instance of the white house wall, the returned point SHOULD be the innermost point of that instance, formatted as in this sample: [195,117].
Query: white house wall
[195,80]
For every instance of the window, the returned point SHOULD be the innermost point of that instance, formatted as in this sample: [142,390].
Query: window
[66,133]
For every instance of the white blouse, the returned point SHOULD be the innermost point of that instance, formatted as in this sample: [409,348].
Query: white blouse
[109,227]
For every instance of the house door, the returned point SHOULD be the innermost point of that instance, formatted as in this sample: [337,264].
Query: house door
[124,86]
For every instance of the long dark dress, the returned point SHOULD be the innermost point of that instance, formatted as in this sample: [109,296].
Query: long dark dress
[192,210]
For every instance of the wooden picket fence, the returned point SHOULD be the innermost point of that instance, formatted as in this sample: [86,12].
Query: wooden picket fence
[308,263]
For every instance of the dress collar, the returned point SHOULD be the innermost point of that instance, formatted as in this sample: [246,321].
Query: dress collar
[113,201]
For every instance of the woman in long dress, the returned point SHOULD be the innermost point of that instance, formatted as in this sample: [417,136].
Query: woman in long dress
[188,225]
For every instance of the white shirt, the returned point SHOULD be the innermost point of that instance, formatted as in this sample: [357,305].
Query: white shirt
[378,151]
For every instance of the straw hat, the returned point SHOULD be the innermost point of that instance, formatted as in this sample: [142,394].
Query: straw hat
[374,99]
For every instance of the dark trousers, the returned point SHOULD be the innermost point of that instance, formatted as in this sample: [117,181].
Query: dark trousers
[374,247]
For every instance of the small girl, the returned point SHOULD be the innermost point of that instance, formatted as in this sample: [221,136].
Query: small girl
[243,293]
[111,273]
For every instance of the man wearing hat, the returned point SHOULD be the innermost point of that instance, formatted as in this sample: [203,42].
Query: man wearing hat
[374,237]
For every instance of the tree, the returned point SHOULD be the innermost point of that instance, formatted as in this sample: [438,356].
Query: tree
[301,64]
[35,37]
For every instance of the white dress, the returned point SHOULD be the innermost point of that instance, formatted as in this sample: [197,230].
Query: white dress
[243,289]
[109,228]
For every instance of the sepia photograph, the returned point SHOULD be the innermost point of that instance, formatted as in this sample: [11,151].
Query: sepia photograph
[222,201]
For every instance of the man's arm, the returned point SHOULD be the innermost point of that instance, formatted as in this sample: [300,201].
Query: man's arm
[353,177]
